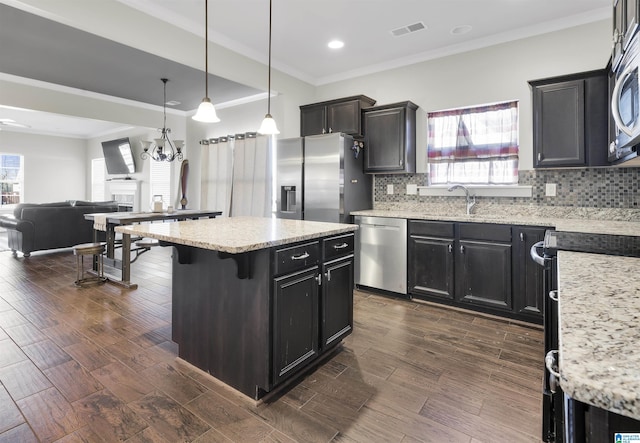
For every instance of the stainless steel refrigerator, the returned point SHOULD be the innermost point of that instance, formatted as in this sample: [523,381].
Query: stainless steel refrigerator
[320,178]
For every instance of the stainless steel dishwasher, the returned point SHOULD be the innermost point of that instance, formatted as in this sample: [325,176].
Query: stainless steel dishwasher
[381,253]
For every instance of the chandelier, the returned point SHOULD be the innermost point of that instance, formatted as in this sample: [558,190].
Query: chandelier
[162,149]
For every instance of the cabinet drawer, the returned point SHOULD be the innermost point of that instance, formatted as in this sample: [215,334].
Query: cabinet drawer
[296,257]
[483,231]
[338,246]
[431,228]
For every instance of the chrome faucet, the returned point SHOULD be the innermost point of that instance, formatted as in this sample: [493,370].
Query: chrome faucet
[471,199]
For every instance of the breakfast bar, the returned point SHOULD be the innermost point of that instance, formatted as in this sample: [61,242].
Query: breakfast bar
[255,301]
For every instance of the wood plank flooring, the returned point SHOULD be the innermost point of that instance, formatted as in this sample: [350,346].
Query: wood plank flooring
[97,364]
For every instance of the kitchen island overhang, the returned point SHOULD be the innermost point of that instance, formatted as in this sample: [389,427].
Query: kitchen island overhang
[255,301]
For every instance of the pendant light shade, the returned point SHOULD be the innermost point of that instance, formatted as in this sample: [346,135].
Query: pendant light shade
[268,126]
[206,112]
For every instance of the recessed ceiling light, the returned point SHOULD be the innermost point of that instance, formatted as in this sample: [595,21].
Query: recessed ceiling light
[336,44]
[461,29]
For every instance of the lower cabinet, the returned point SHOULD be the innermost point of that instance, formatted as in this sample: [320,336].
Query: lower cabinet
[479,266]
[337,301]
[312,302]
[528,284]
[431,259]
[483,265]
[295,320]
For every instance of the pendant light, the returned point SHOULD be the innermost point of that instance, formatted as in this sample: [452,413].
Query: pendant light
[162,149]
[268,126]
[206,112]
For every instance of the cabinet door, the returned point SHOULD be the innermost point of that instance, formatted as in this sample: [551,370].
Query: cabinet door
[619,26]
[559,124]
[295,322]
[484,276]
[631,20]
[431,266]
[384,140]
[344,117]
[528,282]
[337,301]
[313,120]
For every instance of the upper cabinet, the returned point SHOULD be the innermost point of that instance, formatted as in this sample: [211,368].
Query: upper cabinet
[625,24]
[570,120]
[341,115]
[390,138]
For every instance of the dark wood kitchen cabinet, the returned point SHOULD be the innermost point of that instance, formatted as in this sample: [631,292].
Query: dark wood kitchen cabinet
[626,15]
[480,266]
[390,138]
[340,115]
[483,265]
[570,120]
[528,285]
[336,301]
[295,320]
[431,259]
[312,301]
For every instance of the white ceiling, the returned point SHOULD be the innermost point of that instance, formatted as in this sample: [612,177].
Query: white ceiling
[302,29]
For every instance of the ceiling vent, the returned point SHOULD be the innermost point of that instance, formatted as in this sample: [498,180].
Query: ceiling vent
[408,29]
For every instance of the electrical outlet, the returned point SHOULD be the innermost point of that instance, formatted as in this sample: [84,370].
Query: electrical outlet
[389,189]
[550,190]
[412,189]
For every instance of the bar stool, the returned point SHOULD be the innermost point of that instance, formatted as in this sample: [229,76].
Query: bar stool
[95,250]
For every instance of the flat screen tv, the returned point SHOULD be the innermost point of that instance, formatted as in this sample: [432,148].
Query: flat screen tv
[118,156]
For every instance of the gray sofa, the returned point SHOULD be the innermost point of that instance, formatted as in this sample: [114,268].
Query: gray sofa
[37,227]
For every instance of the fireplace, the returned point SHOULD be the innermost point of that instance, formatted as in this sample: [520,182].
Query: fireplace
[126,193]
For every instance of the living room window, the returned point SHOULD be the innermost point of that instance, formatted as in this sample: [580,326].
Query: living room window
[11,179]
[160,181]
[98,178]
[476,145]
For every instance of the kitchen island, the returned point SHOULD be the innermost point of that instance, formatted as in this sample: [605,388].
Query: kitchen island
[255,301]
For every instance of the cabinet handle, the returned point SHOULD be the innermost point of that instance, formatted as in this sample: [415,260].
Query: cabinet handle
[340,246]
[539,156]
[323,131]
[553,295]
[554,375]
[330,130]
[450,248]
[319,279]
[461,249]
[522,236]
[328,275]
[300,257]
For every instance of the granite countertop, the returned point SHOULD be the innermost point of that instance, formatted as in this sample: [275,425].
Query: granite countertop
[513,215]
[599,315]
[236,234]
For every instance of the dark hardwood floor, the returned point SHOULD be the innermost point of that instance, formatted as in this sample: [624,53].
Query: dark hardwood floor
[97,364]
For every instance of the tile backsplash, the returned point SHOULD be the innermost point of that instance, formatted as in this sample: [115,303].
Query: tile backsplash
[588,188]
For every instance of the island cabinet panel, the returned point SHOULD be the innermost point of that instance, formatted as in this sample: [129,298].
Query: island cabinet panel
[337,300]
[295,321]
[255,320]
[220,322]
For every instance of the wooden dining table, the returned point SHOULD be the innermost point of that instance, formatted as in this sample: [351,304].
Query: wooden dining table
[107,221]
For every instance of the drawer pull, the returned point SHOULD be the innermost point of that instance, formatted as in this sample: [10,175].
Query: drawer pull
[300,257]
[340,246]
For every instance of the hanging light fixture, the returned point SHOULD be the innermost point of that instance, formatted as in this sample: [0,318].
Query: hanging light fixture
[162,149]
[206,112]
[268,126]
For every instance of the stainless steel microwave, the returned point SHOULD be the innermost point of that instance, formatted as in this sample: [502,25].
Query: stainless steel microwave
[625,105]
